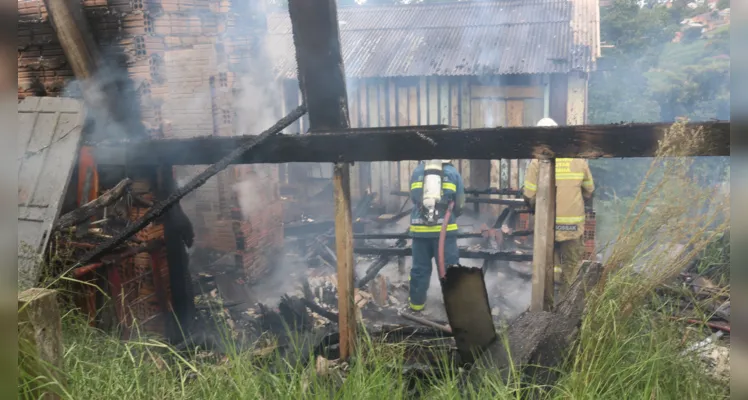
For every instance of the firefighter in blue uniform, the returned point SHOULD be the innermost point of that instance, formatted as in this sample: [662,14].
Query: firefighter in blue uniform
[426,235]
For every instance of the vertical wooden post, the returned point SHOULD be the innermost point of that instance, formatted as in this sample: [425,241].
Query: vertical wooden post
[72,31]
[101,91]
[544,237]
[321,76]
[40,340]
[344,250]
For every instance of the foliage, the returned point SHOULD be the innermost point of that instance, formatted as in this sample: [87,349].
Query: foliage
[692,78]
[651,79]
[638,360]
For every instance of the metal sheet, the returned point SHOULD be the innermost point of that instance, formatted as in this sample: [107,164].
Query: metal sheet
[469,311]
[456,39]
[49,132]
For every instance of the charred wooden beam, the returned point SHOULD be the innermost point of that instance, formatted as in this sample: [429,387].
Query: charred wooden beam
[381,262]
[403,236]
[509,202]
[476,200]
[386,219]
[464,253]
[90,209]
[161,207]
[502,192]
[316,227]
[426,322]
[114,259]
[467,235]
[314,307]
[580,141]
[538,342]
[314,26]
[505,202]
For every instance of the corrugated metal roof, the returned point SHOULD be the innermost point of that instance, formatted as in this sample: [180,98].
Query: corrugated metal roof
[49,134]
[467,38]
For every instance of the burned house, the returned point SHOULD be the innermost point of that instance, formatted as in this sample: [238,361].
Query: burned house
[183,69]
[463,64]
[194,68]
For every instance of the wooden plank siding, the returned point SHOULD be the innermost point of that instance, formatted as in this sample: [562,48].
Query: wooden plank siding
[464,102]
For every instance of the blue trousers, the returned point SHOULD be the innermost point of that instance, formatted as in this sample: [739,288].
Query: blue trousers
[425,250]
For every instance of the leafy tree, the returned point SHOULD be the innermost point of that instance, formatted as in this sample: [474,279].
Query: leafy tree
[692,79]
[653,79]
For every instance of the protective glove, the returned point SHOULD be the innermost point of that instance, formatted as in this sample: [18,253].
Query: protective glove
[588,204]
[530,204]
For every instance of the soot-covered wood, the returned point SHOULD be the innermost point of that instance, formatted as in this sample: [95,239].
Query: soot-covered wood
[583,141]
[91,208]
[314,25]
[163,206]
[539,341]
[464,253]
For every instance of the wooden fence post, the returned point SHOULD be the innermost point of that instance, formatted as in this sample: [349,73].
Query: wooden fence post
[40,340]
[322,82]
[544,237]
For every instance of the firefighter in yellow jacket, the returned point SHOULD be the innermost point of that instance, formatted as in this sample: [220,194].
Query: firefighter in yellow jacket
[574,187]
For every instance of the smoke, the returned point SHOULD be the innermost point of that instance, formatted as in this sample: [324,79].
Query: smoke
[647,75]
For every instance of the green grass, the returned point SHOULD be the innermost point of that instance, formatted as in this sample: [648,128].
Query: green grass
[615,358]
[626,347]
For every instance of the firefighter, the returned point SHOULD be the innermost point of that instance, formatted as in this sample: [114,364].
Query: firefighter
[574,187]
[425,230]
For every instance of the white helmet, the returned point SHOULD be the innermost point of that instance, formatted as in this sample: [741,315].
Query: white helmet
[547,122]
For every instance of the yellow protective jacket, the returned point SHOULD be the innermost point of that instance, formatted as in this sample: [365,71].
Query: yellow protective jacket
[573,184]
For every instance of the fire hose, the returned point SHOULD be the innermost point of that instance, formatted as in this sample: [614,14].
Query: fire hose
[442,239]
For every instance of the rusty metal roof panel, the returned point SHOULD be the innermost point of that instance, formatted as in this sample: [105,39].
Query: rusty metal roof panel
[499,37]
[49,136]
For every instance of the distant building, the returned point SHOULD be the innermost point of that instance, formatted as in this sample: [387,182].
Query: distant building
[467,64]
[708,21]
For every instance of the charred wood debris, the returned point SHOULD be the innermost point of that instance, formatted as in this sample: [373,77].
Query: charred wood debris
[306,302]
[308,311]
[99,220]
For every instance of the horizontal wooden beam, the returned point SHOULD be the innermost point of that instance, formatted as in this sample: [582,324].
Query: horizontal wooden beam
[317,228]
[416,143]
[501,192]
[475,200]
[402,236]
[464,253]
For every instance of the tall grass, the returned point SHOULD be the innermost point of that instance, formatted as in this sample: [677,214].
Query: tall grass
[625,349]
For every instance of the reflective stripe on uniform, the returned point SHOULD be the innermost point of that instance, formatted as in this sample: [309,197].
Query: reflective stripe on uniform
[569,220]
[587,183]
[445,186]
[416,307]
[569,176]
[530,186]
[431,228]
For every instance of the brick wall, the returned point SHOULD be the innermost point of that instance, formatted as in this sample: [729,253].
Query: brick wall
[184,58]
[142,281]
[590,226]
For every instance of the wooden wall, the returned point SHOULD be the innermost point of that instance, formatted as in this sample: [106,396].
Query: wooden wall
[464,102]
